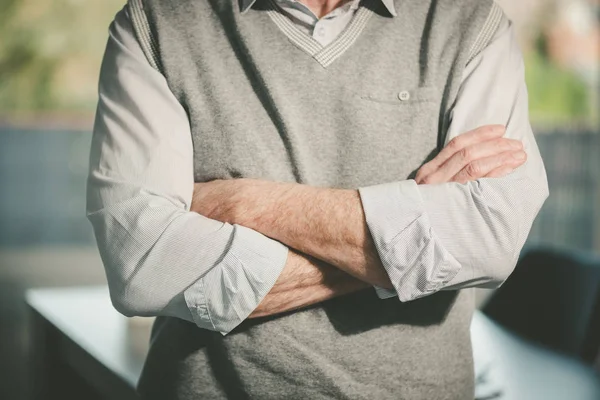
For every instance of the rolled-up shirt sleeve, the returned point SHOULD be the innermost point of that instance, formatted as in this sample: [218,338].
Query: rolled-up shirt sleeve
[160,258]
[451,236]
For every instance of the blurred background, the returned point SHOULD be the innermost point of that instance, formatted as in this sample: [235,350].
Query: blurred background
[50,53]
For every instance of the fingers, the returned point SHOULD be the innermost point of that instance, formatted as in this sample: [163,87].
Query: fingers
[479,151]
[457,144]
[467,157]
[496,164]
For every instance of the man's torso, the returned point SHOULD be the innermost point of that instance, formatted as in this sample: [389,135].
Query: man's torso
[371,107]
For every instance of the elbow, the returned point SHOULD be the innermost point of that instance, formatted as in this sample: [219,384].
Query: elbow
[135,289]
[128,301]
[498,272]
[515,228]
[123,306]
[128,295]
[130,259]
[498,268]
[134,299]
[132,294]
[124,303]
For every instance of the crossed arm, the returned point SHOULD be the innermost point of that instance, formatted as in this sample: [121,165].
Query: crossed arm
[335,250]
[461,223]
[162,259]
[305,281]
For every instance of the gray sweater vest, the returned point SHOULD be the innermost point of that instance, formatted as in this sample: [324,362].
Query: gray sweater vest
[265,101]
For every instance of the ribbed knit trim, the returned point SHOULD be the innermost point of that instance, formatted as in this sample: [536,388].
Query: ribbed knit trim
[143,33]
[487,32]
[325,55]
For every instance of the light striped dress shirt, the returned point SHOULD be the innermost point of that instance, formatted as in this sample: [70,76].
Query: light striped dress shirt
[325,29]
[139,119]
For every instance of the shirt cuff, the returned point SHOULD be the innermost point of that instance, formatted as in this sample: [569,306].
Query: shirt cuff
[416,263]
[233,288]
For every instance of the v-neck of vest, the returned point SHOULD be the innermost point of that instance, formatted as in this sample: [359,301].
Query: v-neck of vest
[324,55]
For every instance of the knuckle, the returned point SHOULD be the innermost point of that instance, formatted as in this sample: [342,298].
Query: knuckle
[502,143]
[517,158]
[466,154]
[509,144]
[427,180]
[484,131]
[454,143]
[489,129]
[473,170]
[508,159]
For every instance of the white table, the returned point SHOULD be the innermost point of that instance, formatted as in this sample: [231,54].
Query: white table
[83,347]
[86,350]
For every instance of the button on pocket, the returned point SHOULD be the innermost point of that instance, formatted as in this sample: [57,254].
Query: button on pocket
[404,97]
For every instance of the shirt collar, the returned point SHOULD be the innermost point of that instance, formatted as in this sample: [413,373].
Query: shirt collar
[246,4]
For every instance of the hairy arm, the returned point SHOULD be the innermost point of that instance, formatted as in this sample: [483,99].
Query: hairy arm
[305,281]
[463,226]
[329,223]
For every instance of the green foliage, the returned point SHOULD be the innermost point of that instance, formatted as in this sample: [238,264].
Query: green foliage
[40,38]
[556,96]
[24,75]
[50,54]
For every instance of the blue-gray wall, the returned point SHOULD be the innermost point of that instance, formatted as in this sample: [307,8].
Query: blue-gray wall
[42,187]
[43,174]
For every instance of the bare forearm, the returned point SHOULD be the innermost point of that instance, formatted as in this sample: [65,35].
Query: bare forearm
[305,281]
[328,224]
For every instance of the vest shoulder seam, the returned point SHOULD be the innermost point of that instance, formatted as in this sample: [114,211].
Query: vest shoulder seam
[141,26]
[487,32]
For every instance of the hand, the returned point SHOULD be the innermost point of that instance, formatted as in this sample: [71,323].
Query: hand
[221,199]
[482,152]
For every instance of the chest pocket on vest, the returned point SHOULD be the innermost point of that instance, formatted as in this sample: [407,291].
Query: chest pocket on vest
[399,128]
